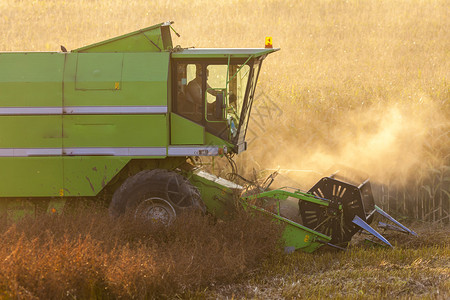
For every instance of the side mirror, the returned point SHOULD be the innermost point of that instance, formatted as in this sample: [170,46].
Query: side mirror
[218,113]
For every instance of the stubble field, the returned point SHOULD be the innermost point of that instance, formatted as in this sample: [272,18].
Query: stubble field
[359,83]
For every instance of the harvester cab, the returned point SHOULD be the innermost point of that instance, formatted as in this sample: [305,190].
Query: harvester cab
[215,88]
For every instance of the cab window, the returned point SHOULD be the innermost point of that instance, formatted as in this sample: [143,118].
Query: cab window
[212,94]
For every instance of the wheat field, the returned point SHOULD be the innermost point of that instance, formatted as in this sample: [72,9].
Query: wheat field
[359,83]
[362,83]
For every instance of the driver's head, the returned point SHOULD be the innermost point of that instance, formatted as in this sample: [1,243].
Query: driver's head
[199,71]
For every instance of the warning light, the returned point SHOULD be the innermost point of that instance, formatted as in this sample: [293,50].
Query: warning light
[269,42]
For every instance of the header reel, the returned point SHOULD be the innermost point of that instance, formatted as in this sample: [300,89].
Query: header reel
[332,212]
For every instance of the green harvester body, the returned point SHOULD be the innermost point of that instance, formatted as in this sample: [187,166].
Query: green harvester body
[72,121]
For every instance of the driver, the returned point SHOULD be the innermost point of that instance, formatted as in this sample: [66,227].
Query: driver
[194,90]
[194,87]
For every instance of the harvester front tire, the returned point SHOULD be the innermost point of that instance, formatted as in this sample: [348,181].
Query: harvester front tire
[156,195]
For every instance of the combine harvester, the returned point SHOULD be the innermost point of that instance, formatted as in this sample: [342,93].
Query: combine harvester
[123,121]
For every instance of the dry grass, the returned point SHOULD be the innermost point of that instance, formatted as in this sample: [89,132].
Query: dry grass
[416,268]
[87,254]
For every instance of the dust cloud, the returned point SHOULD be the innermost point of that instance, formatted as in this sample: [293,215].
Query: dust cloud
[385,142]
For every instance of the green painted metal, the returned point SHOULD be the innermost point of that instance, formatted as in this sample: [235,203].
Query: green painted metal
[153,38]
[99,71]
[281,194]
[219,195]
[88,175]
[211,139]
[299,237]
[295,235]
[30,132]
[143,79]
[31,176]
[115,131]
[223,52]
[185,132]
[31,79]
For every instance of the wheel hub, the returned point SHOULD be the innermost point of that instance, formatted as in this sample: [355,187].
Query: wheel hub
[156,210]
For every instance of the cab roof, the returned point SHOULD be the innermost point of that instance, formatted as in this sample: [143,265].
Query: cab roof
[222,52]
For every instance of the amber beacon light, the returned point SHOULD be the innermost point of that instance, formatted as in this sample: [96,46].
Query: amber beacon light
[269,42]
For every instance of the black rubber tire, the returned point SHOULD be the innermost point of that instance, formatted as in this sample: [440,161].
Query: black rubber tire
[167,185]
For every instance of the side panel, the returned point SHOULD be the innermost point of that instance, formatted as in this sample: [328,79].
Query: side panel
[30,91]
[31,176]
[99,72]
[31,79]
[32,132]
[57,137]
[218,194]
[112,131]
[143,79]
[185,132]
[211,139]
[88,175]
[115,108]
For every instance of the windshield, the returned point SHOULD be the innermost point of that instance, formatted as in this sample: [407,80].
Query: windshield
[233,81]
[214,94]
[245,113]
